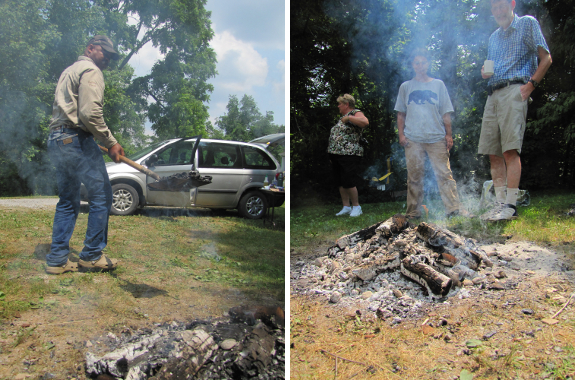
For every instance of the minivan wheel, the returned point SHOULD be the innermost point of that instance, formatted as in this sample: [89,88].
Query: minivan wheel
[253,205]
[125,199]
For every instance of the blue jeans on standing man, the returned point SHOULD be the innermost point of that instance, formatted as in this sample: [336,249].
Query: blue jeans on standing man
[78,159]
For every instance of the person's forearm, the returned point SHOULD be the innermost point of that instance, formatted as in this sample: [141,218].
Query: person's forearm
[400,123]
[359,121]
[447,124]
[544,64]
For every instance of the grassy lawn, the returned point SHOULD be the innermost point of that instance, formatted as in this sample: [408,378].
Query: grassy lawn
[164,248]
[543,221]
[329,342]
[174,264]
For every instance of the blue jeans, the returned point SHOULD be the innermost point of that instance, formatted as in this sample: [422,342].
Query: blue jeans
[78,159]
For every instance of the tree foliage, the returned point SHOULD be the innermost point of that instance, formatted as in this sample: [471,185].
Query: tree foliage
[244,121]
[361,47]
[40,38]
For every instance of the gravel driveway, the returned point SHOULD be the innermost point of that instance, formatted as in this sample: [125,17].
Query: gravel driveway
[36,203]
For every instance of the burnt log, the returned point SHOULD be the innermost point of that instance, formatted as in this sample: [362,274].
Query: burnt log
[424,274]
[385,229]
[393,226]
[354,238]
[198,349]
[451,245]
[436,236]
[149,353]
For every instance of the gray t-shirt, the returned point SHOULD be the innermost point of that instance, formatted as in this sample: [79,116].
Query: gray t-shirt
[424,105]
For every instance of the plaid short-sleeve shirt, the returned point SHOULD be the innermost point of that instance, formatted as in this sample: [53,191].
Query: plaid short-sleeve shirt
[514,50]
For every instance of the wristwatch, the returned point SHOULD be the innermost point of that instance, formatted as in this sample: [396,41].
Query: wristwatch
[533,82]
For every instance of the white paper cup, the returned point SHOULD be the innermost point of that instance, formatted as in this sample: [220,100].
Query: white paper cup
[488,67]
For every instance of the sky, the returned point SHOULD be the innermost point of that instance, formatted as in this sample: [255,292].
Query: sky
[249,42]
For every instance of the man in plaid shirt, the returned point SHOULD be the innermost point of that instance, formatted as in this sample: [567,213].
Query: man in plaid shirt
[514,47]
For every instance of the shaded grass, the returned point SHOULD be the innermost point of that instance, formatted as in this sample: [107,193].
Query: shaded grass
[543,221]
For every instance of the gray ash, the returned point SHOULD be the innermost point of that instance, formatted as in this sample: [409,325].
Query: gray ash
[221,348]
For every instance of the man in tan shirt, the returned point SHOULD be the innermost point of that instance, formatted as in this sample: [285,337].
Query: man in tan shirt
[77,119]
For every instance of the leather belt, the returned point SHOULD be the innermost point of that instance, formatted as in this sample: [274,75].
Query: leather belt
[499,86]
[64,125]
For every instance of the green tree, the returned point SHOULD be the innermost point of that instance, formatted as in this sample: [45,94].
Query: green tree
[181,29]
[361,48]
[40,38]
[26,33]
[244,121]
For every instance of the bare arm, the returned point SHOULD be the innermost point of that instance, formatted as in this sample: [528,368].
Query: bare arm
[544,64]
[400,128]
[448,136]
[358,119]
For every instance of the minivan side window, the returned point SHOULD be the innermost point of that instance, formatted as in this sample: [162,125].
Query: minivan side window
[255,158]
[216,155]
[179,153]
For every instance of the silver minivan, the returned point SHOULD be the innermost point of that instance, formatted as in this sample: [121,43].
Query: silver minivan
[238,171]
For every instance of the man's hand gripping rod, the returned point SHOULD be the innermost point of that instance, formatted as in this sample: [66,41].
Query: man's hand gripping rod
[136,166]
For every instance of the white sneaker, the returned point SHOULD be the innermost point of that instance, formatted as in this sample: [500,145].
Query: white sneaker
[344,211]
[492,211]
[507,212]
[356,211]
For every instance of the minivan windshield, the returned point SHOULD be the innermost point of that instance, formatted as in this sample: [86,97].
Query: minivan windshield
[143,152]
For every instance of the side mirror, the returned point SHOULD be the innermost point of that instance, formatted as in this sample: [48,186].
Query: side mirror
[151,161]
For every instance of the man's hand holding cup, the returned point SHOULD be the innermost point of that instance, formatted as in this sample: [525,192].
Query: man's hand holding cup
[487,70]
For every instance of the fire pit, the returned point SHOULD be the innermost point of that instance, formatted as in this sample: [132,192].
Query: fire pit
[396,270]
[249,344]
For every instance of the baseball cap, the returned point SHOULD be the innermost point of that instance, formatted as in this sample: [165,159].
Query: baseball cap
[106,44]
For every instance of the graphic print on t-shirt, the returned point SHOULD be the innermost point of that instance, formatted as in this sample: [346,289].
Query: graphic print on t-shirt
[421,96]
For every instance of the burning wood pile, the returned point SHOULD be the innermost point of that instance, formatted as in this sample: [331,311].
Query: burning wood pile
[248,345]
[378,265]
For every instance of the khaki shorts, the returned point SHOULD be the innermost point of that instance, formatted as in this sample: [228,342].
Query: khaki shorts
[503,125]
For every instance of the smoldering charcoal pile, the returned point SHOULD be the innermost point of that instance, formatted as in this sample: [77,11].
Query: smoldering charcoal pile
[395,269]
[210,349]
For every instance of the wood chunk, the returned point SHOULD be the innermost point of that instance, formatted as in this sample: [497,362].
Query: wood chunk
[422,273]
[360,235]
[436,236]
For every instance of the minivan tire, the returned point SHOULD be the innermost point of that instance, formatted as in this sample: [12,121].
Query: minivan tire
[125,199]
[253,205]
